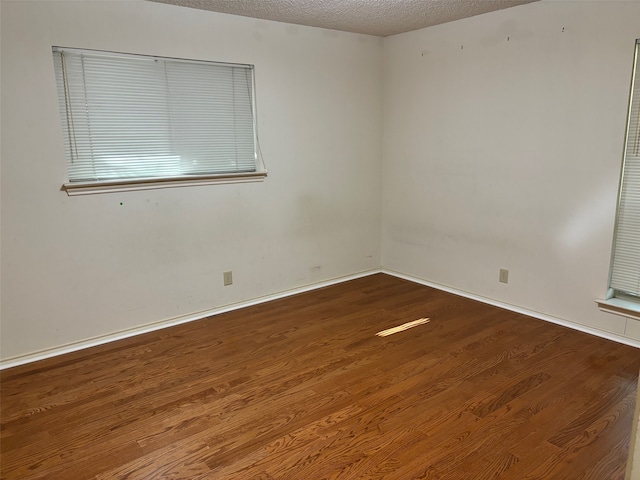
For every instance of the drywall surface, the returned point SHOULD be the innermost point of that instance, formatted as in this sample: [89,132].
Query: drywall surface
[503,139]
[80,267]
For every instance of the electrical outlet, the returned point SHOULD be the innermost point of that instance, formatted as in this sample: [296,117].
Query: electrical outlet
[228,278]
[504,275]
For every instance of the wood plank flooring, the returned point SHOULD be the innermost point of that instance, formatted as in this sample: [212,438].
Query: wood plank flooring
[302,388]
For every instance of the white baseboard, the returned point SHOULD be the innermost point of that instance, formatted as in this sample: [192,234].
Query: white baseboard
[151,327]
[112,337]
[514,308]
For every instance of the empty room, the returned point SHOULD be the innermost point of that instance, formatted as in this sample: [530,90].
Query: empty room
[319,240]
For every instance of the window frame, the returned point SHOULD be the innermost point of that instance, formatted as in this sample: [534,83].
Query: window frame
[129,183]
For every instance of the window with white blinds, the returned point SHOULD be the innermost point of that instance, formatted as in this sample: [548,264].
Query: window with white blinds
[625,265]
[136,119]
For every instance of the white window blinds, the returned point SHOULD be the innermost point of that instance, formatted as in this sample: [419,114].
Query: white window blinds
[625,267]
[134,116]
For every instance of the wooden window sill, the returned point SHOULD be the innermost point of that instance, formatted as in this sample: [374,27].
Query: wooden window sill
[87,188]
[620,306]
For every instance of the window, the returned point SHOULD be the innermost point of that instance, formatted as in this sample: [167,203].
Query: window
[135,121]
[624,282]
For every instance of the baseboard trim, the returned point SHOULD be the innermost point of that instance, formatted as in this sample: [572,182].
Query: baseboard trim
[171,322]
[514,308]
[120,335]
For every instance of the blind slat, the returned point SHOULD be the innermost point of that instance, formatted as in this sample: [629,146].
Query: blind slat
[128,116]
[625,266]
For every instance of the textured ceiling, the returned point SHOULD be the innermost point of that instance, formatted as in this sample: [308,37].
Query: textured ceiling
[373,17]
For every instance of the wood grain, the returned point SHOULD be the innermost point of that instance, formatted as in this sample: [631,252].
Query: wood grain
[302,388]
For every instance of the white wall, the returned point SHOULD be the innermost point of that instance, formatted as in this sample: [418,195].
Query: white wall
[497,153]
[503,138]
[75,268]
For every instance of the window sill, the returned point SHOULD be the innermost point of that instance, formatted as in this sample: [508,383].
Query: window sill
[619,306]
[88,188]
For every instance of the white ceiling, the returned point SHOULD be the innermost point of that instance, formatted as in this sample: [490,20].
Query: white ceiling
[373,17]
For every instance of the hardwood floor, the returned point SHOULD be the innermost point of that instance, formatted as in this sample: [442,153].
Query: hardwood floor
[301,388]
